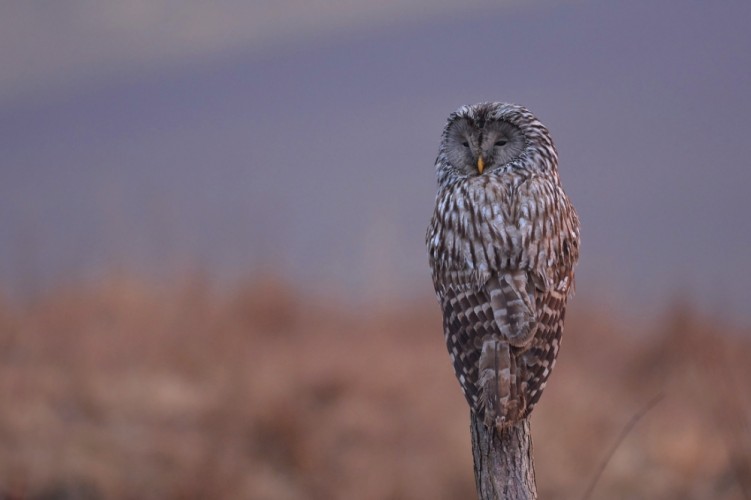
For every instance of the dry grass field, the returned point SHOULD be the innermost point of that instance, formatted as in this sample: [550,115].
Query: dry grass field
[127,390]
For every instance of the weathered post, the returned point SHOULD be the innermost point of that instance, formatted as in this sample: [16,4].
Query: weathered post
[504,466]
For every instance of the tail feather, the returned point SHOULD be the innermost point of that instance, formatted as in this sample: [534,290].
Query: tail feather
[498,385]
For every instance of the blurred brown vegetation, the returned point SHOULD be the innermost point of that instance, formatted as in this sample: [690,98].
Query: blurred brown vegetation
[127,390]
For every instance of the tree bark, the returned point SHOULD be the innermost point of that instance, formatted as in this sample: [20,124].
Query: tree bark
[504,467]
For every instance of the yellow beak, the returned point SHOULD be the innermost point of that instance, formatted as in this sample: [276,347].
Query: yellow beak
[480,164]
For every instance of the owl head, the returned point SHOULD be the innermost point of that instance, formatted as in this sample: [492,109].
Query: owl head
[491,138]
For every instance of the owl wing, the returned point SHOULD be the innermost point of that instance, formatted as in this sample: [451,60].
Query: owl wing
[549,249]
[488,321]
[468,321]
[548,240]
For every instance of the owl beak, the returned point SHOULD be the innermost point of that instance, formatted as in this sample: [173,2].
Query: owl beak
[480,164]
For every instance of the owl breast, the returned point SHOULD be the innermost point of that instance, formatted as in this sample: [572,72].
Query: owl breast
[475,226]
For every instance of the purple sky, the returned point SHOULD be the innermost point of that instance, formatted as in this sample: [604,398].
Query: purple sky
[313,153]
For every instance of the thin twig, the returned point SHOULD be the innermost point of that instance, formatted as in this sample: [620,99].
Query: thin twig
[626,429]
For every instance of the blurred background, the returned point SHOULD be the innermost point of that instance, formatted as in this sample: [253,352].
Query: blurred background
[213,280]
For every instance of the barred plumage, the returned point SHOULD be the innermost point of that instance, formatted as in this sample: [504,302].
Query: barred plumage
[503,243]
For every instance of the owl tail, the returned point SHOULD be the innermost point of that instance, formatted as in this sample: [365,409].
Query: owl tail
[513,306]
[498,386]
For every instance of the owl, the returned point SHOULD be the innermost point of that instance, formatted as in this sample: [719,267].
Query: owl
[502,244]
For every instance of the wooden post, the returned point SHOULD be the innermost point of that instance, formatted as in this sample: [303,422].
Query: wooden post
[504,467]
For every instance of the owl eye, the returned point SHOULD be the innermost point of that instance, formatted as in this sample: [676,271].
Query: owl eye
[465,144]
[502,142]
